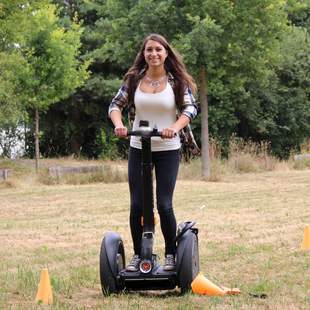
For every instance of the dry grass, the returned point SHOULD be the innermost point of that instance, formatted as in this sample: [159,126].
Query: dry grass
[24,172]
[243,157]
[110,173]
[247,156]
[250,230]
[305,147]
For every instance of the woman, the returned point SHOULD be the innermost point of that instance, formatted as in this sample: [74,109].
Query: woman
[157,88]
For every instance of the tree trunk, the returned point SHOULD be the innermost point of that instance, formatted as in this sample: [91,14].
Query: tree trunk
[75,140]
[205,155]
[36,135]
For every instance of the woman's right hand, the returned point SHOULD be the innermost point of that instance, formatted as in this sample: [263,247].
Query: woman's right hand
[120,131]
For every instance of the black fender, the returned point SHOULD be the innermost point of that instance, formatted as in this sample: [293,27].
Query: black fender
[183,228]
[112,241]
[111,248]
[184,245]
[187,256]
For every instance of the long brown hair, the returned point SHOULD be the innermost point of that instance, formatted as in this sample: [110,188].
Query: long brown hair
[173,64]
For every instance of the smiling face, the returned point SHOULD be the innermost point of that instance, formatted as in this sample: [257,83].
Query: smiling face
[154,53]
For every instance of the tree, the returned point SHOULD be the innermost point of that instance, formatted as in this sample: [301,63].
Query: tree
[299,13]
[10,109]
[227,44]
[85,111]
[233,48]
[52,70]
[286,102]
[199,46]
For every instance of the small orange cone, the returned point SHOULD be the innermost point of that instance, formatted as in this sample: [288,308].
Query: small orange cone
[155,220]
[44,294]
[306,242]
[201,285]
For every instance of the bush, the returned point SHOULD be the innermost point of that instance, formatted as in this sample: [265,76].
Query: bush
[248,156]
[109,146]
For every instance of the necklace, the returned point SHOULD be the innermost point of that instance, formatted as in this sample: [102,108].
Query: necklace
[155,83]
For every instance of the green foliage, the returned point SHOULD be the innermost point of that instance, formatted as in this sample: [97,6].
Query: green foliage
[294,91]
[109,146]
[238,43]
[45,66]
[257,80]
[284,116]
[299,13]
[42,63]
[76,123]
[10,108]
[50,53]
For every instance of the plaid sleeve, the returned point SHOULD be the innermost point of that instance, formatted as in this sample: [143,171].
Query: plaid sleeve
[189,107]
[120,100]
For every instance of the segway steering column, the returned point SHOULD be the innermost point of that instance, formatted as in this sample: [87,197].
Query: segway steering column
[145,132]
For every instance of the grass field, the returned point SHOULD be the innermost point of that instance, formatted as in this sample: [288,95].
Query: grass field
[250,230]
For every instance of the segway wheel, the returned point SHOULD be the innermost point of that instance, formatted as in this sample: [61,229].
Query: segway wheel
[112,261]
[187,260]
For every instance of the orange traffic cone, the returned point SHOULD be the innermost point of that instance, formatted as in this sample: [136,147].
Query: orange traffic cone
[201,285]
[155,220]
[44,294]
[306,242]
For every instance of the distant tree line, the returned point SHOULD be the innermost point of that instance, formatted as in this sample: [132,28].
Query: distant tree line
[250,59]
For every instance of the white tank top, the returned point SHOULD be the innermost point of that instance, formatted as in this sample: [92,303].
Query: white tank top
[160,110]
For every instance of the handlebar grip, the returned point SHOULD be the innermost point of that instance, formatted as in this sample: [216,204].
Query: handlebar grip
[142,133]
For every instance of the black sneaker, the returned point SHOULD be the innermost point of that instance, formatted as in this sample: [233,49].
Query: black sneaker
[134,264]
[169,262]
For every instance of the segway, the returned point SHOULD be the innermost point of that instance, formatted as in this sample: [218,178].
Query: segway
[151,275]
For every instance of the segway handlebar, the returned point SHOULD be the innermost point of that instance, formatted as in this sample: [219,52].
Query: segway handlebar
[147,132]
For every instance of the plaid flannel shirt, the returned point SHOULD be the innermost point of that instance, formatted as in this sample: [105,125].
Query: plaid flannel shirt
[189,108]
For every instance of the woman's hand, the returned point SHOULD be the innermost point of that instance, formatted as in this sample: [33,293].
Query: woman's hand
[169,133]
[120,131]
[173,130]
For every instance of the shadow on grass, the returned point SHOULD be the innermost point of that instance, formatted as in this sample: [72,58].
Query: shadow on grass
[158,294]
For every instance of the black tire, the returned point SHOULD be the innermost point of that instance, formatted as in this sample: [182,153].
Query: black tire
[187,260]
[112,261]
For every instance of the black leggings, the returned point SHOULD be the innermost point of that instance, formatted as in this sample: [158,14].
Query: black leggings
[166,165]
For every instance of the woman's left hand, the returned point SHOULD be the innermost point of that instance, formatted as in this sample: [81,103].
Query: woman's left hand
[169,133]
